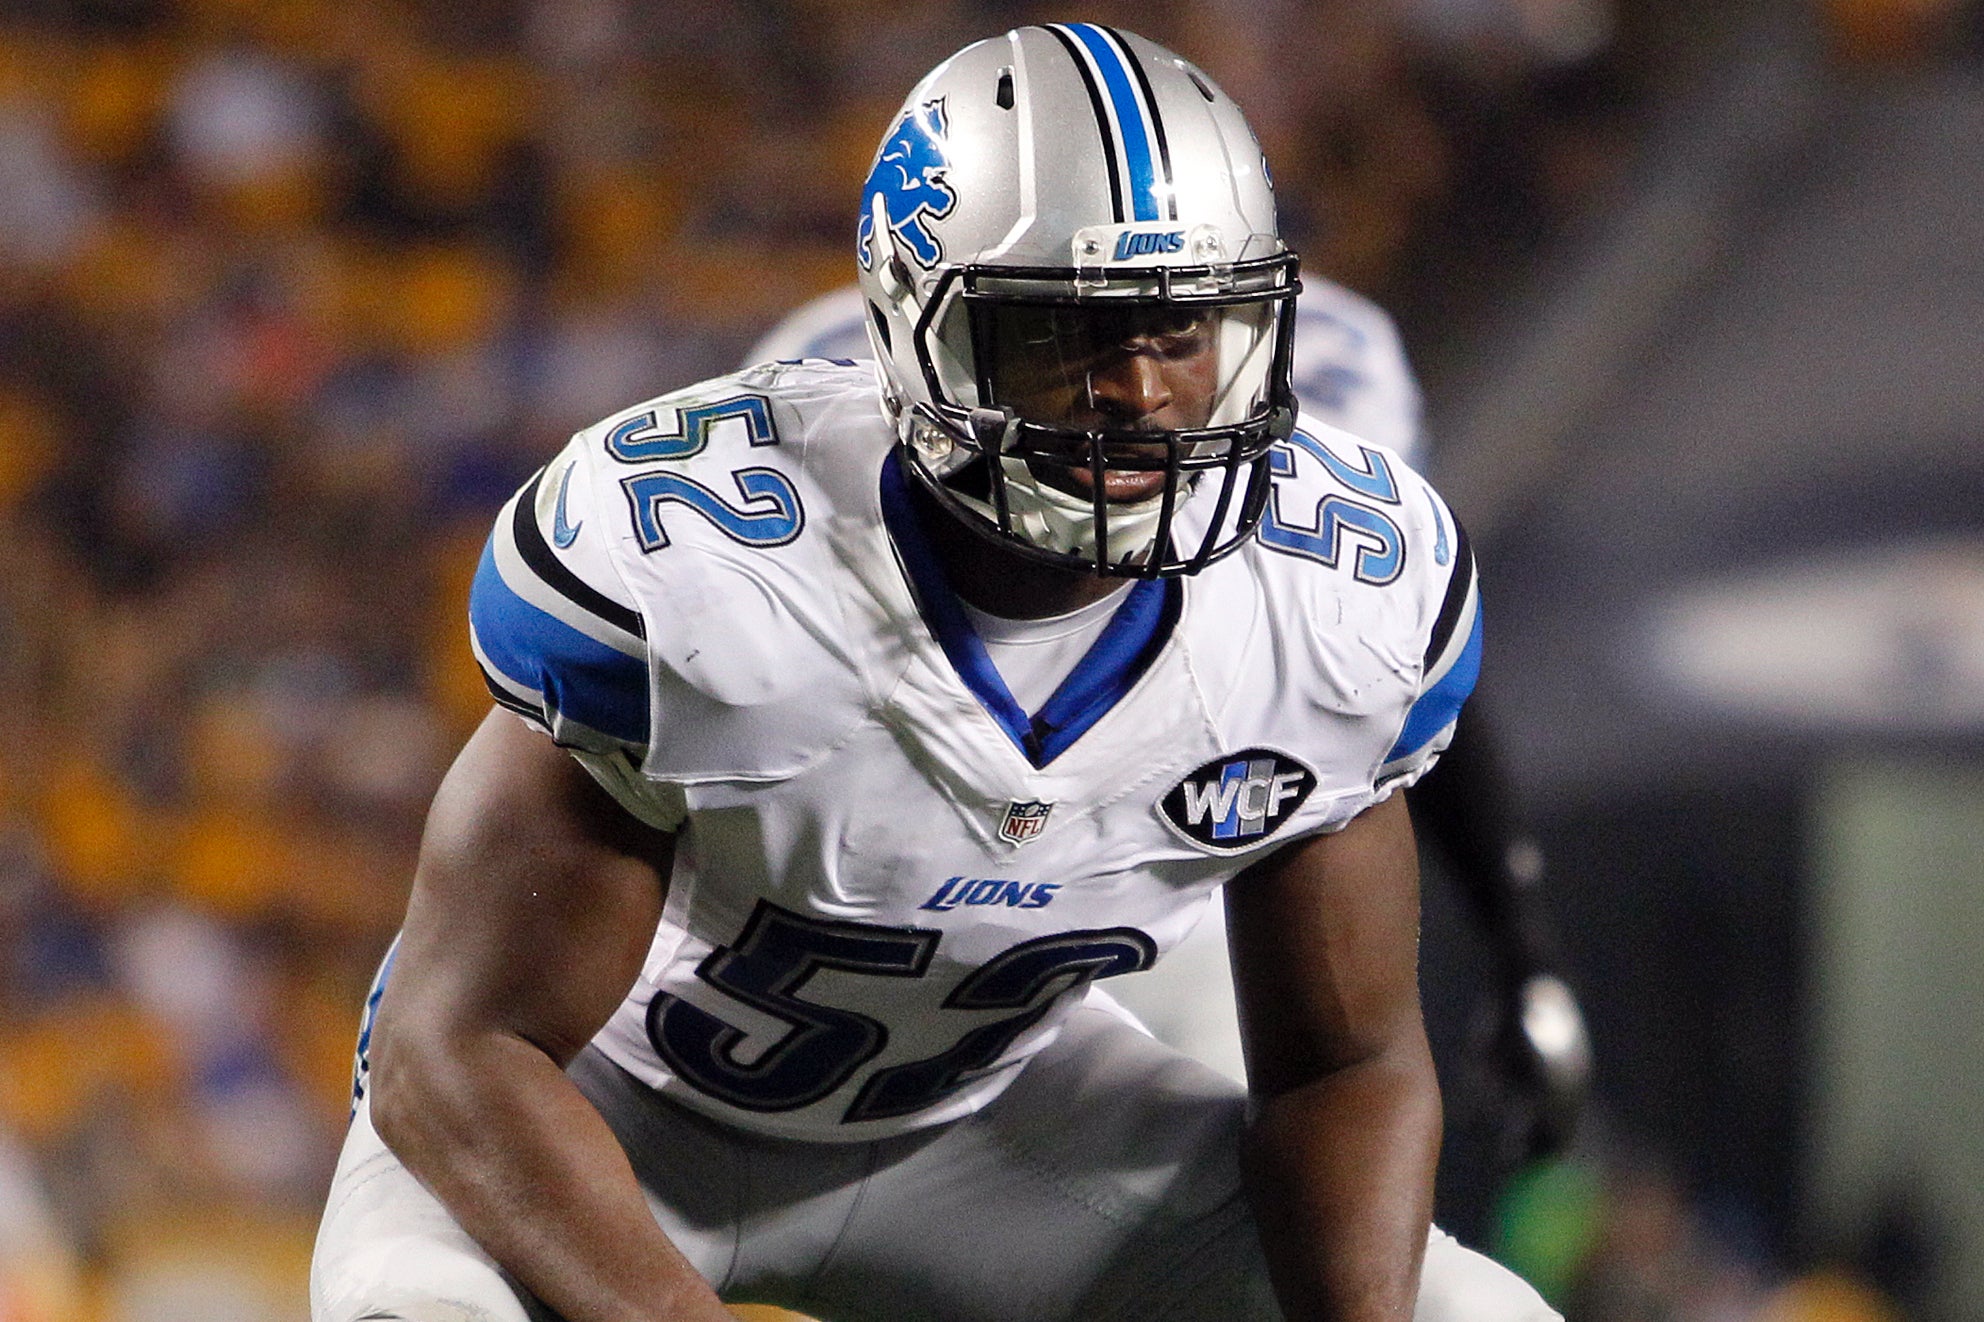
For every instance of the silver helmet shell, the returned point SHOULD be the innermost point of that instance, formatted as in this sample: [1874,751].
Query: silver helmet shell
[1077,177]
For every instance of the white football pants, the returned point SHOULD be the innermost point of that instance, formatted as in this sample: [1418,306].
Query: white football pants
[1102,1184]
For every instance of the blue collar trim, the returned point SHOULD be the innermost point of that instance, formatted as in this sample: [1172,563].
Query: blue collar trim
[1121,654]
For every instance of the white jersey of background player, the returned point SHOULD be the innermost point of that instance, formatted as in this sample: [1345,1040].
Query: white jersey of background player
[1350,372]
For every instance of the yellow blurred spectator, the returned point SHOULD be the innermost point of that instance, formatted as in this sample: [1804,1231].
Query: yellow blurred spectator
[319,1035]
[231,861]
[444,297]
[32,66]
[217,1265]
[452,121]
[102,841]
[52,1064]
[248,128]
[453,683]
[27,444]
[117,97]
[1828,1295]
[615,222]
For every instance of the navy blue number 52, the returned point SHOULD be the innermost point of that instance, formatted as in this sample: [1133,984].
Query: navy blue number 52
[779,951]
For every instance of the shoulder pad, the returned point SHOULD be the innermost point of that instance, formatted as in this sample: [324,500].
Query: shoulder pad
[834,325]
[718,506]
[555,631]
[1387,594]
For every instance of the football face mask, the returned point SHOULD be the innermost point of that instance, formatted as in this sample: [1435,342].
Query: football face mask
[1073,414]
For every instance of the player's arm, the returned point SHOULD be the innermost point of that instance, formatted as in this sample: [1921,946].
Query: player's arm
[533,905]
[1340,1152]
[1463,809]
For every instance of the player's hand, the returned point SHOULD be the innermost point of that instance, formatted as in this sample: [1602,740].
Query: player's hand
[1533,1066]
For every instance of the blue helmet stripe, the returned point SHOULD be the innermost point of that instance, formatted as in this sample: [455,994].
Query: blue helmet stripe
[1132,126]
[1164,175]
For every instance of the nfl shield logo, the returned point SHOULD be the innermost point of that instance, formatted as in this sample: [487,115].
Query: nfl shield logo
[1024,821]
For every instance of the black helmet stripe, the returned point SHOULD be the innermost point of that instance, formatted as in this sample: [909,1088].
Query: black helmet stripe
[1101,108]
[1169,191]
[1126,111]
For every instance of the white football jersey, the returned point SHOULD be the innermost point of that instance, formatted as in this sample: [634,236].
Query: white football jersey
[891,884]
[1349,366]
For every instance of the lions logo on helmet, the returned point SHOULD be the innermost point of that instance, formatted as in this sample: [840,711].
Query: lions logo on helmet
[909,179]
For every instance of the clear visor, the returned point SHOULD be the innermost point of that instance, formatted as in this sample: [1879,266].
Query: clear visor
[1179,349]
[1123,366]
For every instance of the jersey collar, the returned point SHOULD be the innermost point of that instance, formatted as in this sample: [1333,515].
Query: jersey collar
[1110,668]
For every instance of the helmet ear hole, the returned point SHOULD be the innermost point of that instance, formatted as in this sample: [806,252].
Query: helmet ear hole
[881,320]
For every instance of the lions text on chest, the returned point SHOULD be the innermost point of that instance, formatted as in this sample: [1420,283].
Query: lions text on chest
[991,890]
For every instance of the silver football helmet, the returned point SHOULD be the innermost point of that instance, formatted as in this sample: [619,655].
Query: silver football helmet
[1078,299]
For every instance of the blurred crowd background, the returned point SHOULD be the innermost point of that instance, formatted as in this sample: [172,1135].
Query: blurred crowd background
[294,292]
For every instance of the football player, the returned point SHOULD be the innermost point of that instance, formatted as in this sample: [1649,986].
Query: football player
[865,730]
[1531,1067]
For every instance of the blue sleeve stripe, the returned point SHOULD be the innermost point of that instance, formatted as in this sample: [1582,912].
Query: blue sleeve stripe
[578,676]
[530,569]
[1439,706]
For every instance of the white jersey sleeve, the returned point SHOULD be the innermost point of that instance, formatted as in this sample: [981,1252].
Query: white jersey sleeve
[626,590]
[1366,556]
[558,638]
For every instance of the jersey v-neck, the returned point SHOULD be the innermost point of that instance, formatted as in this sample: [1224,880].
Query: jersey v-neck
[1121,654]
[1033,656]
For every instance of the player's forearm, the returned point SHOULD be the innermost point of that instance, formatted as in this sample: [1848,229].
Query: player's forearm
[1465,808]
[498,1132]
[1340,1175]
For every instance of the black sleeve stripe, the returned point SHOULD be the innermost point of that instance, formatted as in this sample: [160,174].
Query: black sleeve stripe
[552,570]
[509,701]
[1457,586]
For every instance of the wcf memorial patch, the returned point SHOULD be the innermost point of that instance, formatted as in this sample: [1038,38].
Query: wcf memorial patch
[1236,800]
